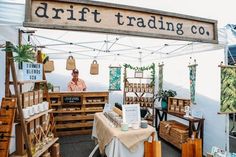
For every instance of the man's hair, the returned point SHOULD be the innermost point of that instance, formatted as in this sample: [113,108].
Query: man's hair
[75,71]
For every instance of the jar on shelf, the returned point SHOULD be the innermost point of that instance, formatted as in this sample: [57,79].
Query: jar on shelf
[130,89]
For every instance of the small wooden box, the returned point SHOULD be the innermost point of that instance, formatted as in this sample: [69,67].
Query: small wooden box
[25,100]
[31,98]
[40,96]
[55,150]
[36,97]
[177,105]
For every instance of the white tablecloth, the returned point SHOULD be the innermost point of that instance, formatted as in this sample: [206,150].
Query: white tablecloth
[117,149]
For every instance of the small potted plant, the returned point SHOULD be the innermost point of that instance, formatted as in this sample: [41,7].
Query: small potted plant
[22,53]
[163,97]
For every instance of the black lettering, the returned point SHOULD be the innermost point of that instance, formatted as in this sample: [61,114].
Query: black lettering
[179,30]
[170,24]
[119,16]
[193,29]
[83,12]
[161,23]
[130,20]
[152,22]
[43,9]
[201,30]
[140,22]
[96,13]
[71,13]
[57,12]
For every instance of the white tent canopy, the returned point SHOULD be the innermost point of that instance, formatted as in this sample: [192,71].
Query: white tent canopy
[60,44]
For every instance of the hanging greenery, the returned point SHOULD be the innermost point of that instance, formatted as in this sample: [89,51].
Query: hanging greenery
[143,68]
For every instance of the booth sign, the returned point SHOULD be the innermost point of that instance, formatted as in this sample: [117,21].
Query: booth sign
[118,19]
[32,71]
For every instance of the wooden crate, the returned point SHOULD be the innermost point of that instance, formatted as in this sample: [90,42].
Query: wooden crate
[176,105]
[174,132]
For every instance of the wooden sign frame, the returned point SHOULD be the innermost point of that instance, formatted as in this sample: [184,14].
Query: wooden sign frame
[118,19]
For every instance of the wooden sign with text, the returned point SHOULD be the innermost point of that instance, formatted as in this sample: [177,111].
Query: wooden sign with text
[118,19]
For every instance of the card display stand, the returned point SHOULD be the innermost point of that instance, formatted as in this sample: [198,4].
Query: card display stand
[74,111]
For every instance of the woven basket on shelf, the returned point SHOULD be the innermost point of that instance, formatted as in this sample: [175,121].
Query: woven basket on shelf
[174,132]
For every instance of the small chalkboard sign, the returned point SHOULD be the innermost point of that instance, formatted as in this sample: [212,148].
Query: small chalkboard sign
[71,99]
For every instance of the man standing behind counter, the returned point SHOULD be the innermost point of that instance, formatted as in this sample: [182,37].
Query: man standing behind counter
[76,84]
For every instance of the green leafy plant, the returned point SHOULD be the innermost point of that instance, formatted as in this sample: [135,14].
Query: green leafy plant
[164,94]
[22,53]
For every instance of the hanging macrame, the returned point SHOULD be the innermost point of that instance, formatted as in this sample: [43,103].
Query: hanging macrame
[115,78]
[228,89]
[192,78]
[160,77]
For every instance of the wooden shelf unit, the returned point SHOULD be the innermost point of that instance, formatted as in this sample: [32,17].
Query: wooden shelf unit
[139,91]
[27,120]
[46,147]
[25,128]
[74,111]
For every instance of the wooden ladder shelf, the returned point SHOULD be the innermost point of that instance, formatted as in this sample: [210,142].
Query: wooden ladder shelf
[7,114]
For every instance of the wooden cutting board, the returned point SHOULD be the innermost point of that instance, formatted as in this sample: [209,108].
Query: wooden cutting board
[192,148]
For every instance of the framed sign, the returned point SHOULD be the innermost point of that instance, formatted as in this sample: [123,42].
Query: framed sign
[32,71]
[131,113]
[71,99]
[103,17]
[138,74]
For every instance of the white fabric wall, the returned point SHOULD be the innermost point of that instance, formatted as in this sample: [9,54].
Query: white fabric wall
[176,76]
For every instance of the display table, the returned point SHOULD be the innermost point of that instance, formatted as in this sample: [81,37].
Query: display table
[199,121]
[199,129]
[116,143]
